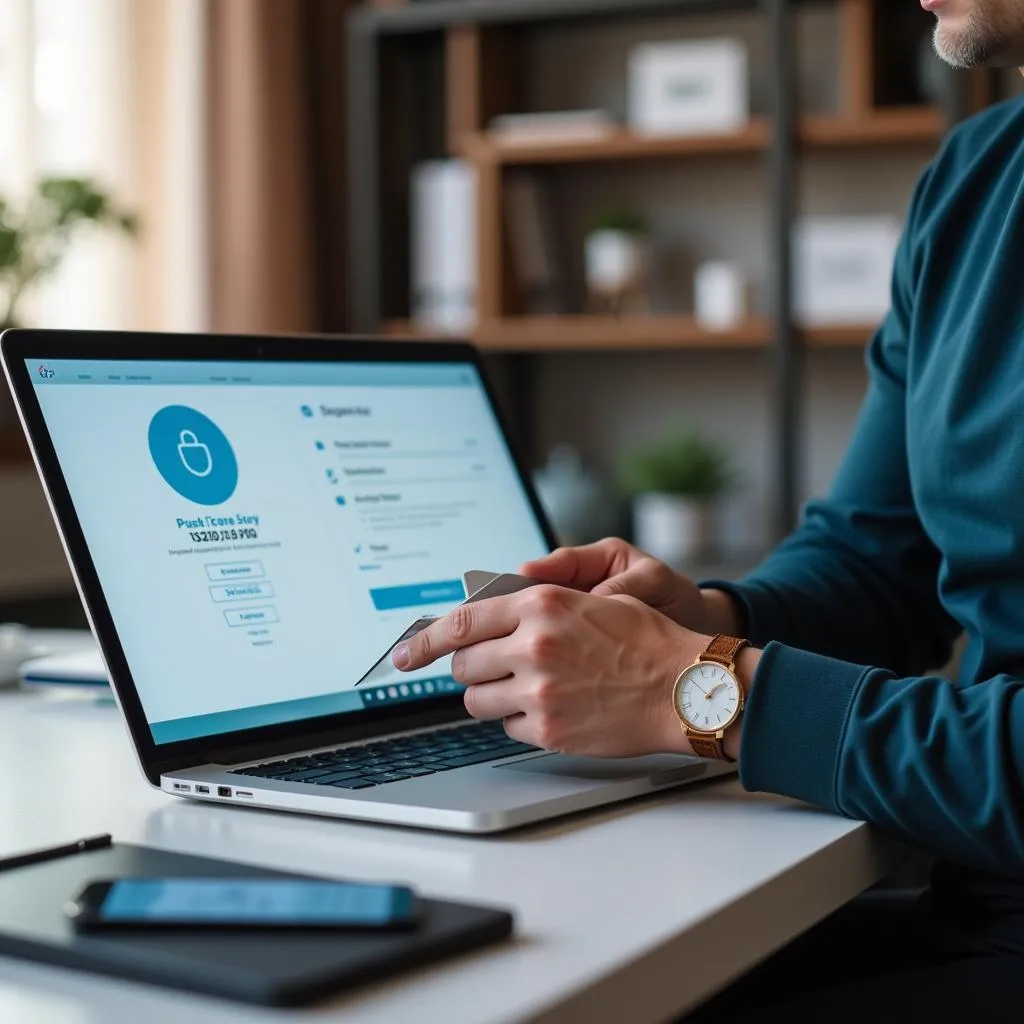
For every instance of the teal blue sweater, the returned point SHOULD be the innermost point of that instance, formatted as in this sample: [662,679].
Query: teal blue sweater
[920,540]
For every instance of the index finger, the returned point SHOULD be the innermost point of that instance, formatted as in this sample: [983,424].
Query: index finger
[465,625]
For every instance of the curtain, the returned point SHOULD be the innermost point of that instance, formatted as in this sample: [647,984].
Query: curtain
[261,270]
[169,143]
[274,127]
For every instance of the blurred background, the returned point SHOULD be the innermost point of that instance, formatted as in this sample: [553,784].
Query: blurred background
[669,223]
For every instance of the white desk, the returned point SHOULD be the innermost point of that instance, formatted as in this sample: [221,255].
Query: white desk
[633,914]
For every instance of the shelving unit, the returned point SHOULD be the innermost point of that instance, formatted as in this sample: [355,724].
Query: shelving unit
[454,62]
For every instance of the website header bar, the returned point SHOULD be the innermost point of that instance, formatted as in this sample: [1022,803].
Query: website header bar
[108,372]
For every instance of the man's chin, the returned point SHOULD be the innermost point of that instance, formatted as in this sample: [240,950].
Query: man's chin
[962,43]
[959,46]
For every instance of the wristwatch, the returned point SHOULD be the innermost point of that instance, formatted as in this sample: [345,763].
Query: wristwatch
[708,698]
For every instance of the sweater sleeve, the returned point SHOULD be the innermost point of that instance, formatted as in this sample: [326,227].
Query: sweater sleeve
[859,579]
[940,765]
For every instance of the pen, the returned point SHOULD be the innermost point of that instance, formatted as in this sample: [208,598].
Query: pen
[22,860]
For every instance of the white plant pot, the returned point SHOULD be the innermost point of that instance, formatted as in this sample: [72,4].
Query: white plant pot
[675,529]
[616,262]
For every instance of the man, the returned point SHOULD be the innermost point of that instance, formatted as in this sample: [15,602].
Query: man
[921,539]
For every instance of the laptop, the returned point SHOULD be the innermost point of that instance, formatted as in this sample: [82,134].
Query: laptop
[251,522]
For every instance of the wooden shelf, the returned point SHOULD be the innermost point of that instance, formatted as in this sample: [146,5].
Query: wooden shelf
[854,336]
[621,145]
[594,333]
[583,333]
[636,333]
[884,127]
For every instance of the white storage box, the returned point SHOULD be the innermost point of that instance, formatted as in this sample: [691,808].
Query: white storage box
[843,268]
[688,88]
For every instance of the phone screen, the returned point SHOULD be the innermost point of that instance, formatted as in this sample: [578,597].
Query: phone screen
[256,901]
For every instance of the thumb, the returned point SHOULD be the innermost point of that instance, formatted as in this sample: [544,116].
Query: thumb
[647,581]
[579,568]
[658,587]
[559,567]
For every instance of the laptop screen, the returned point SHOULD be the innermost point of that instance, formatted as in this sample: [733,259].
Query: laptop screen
[263,531]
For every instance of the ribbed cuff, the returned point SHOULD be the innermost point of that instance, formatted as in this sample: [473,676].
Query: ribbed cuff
[794,724]
[759,611]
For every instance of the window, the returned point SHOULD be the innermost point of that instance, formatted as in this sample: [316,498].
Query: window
[65,95]
[15,88]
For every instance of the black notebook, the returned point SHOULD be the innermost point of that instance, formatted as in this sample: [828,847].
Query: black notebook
[280,968]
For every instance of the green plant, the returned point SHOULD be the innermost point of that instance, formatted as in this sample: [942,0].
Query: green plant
[628,222]
[683,464]
[35,236]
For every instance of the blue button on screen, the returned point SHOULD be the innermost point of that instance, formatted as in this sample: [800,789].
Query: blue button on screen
[412,595]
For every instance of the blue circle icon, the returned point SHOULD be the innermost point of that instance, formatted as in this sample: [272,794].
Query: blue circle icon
[193,455]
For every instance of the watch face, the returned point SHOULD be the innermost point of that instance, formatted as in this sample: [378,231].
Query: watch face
[708,697]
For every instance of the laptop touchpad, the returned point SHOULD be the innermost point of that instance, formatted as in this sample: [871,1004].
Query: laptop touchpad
[661,768]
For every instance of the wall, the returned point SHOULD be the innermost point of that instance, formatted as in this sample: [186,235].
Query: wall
[604,404]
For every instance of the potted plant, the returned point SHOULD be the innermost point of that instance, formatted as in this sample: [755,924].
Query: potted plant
[676,483]
[35,236]
[617,257]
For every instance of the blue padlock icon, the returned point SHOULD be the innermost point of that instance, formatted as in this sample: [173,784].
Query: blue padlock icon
[194,454]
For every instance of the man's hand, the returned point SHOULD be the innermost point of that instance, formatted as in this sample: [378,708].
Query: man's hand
[566,671]
[614,568]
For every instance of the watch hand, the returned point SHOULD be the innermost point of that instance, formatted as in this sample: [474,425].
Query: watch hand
[699,687]
[713,691]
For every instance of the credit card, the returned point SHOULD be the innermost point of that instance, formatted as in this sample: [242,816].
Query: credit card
[479,586]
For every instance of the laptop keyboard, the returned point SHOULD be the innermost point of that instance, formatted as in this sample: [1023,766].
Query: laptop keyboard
[405,757]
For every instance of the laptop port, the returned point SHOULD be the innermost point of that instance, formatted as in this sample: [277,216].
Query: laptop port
[243,794]
[205,790]
[223,791]
[182,787]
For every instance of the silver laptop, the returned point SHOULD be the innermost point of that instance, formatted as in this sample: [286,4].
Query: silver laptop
[251,523]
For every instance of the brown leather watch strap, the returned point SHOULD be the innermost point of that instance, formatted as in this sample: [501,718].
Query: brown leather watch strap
[723,649]
[707,746]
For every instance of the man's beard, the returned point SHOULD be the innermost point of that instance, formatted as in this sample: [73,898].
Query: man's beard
[978,44]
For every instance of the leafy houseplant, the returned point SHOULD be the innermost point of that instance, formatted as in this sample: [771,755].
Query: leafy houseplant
[619,219]
[675,484]
[617,260]
[35,236]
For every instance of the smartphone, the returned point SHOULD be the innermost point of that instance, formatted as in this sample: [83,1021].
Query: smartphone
[241,903]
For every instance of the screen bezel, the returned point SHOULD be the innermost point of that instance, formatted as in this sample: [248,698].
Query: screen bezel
[86,909]
[17,346]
